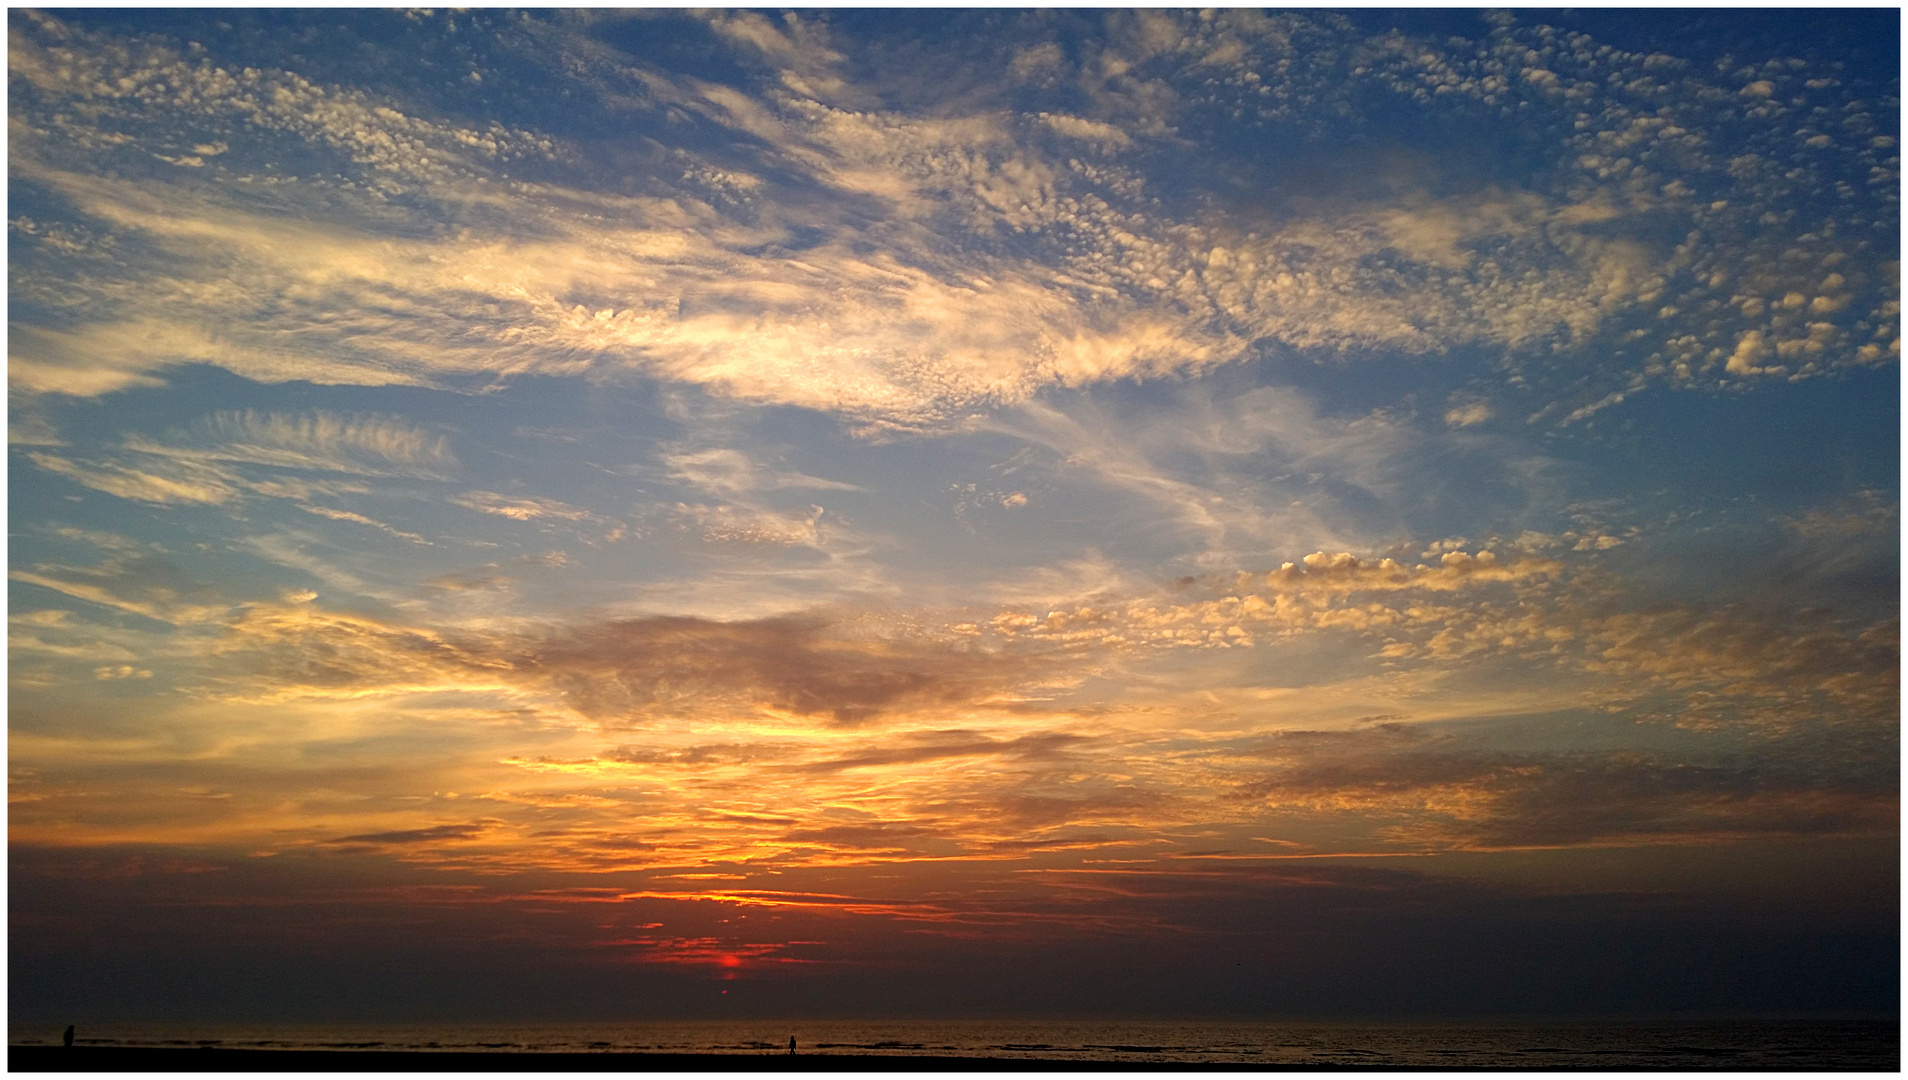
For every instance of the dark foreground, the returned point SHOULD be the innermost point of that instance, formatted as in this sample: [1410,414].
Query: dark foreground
[213,1059]
[208,1059]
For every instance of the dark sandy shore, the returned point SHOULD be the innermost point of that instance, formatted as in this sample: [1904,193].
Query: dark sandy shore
[122,1059]
[216,1059]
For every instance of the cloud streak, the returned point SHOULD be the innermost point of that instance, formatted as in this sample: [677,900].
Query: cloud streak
[927,316]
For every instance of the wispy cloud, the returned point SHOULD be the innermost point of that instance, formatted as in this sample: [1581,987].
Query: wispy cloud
[218,462]
[364,445]
[928,317]
[416,836]
[1466,797]
[182,483]
[519,508]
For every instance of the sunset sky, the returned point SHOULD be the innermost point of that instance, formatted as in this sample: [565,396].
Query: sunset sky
[656,514]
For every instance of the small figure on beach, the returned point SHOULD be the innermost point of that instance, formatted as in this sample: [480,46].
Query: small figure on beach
[791,1040]
[69,1036]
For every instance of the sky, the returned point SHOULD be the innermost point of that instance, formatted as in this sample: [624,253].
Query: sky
[952,513]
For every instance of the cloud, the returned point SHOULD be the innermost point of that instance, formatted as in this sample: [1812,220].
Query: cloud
[883,836]
[123,671]
[519,508]
[346,515]
[628,673]
[213,464]
[106,355]
[99,359]
[288,651]
[620,672]
[1220,480]
[316,440]
[722,754]
[417,836]
[730,472]
[799,47]
[181,483]
[901,302]
[32,429]
[105,541]
[64,62]
[1736,667]
[1075,127]
[1691,665]
[935,745]
[1321,593]
[746,525]
[136,582]
[750,511]
[837,741]
[811,219]
[1453,795]
[1867,512]
[1468,414]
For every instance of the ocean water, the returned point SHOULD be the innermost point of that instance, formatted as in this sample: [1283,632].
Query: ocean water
[1870,1045]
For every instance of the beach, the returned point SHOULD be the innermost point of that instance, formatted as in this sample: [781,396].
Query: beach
[957,1046]
[216,1059]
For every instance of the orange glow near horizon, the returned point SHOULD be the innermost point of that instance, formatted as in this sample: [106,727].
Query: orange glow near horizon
[1121,512]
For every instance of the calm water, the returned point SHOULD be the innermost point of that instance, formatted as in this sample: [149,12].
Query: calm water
[1730,1045]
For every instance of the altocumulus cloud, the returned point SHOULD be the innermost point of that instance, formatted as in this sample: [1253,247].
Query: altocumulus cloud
[1016,248]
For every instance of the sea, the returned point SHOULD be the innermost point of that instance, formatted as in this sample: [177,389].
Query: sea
[1602,1045]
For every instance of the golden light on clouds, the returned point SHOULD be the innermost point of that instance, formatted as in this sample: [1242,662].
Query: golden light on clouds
[847,496]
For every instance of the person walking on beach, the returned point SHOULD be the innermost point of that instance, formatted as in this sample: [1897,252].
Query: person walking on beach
[69,1036]
[791,1041]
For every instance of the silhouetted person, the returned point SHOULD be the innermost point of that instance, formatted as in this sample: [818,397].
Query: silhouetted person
[791,1040]
[69,1037]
